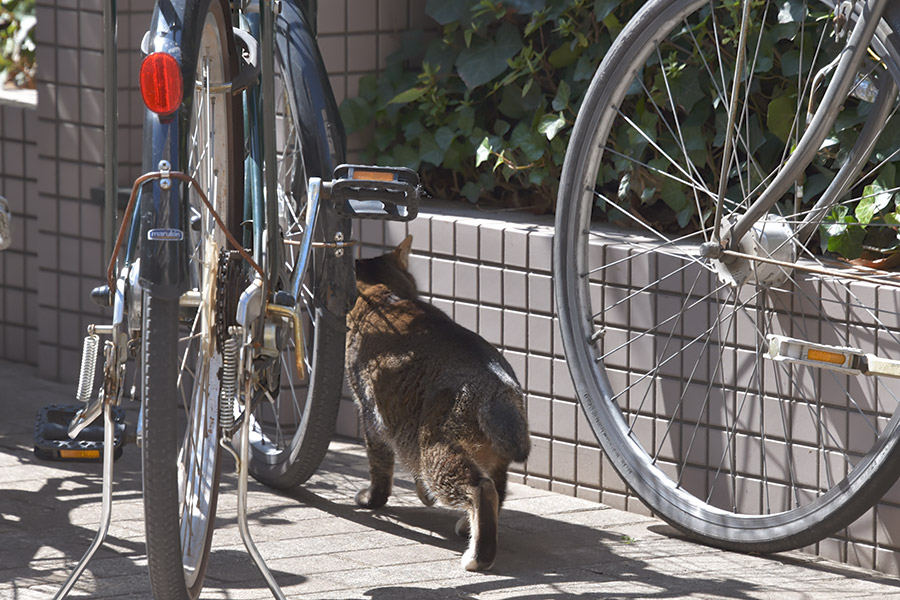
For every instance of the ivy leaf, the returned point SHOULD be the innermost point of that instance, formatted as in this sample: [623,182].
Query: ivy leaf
[408,96]
[684,216]
[406,156]
[551,124]
[564,56]
[537,176]
[584,68]
[526,6]
[602,8]
[624,186]
[368,87]
[848,239]
[444,136]
[529,142]
[466,120]
[356,114]
[447,12]
[780,116]
[384,138]
[483,152]
[472,191]
[673,195]
[429,151]
[517,105]
[791,12]
[486,58]
[413,130]
[875,198]
[563,93]
[500,162]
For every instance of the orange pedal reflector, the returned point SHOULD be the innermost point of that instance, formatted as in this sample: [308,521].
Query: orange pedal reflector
[79,454]
[827,357]
[373,175]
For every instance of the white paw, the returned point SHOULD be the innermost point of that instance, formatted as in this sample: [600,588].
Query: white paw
[470,563]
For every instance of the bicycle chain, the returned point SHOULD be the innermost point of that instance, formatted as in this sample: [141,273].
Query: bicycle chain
[228,281]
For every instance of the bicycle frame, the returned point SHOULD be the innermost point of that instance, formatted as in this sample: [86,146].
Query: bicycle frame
[164,270]
[163,266]
[830,106]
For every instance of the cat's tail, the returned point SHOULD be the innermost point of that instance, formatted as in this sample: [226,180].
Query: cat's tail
[503,421]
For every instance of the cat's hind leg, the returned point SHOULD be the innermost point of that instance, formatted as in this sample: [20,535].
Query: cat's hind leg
[381,472]
[457,481]
[483,517]
[499,476]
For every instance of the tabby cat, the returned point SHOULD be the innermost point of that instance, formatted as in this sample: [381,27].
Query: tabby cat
[435,395]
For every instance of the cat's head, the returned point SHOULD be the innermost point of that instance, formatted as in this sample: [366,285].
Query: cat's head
[391,269]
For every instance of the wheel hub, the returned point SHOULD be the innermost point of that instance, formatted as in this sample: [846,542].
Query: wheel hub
[770,238]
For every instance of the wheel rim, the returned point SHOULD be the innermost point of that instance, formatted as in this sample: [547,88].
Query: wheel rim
[693,446]
[200,356]
[278,421]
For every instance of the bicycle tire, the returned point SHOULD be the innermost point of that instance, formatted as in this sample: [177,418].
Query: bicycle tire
[181,359]
[291,431]
[673,394]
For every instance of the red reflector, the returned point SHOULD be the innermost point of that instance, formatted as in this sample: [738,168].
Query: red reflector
[161,84]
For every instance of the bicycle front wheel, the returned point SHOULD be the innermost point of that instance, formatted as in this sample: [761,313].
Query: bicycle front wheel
[668,349]
[181,343]
[293,424]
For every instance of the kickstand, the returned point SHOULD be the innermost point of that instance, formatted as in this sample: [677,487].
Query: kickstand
[109,428]
[243,471]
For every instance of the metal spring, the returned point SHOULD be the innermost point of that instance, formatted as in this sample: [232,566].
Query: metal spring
[88,367]
[228,387]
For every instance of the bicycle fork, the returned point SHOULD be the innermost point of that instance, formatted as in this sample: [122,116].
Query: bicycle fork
[728,238]
[760,247]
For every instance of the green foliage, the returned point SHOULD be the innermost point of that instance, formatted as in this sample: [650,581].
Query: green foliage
[485,109]
[17,28]
[872,223]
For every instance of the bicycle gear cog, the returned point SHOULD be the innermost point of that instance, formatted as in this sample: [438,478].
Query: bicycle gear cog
[229,278]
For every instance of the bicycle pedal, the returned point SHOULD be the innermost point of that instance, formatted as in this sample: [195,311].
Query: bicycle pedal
[52,441]
[364,192]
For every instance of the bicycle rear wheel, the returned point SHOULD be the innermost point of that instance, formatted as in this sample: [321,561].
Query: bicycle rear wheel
[668,355]
[293,424]
[181,357]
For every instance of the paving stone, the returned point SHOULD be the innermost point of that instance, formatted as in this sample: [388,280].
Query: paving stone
[320,545]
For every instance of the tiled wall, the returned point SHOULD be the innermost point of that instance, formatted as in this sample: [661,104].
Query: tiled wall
[18,264]
[70,149]
[494,277]
[356,36]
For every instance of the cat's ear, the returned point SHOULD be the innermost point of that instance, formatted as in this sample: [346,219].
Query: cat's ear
[402,252]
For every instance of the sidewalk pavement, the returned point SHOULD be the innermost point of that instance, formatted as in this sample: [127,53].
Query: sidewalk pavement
[319,545]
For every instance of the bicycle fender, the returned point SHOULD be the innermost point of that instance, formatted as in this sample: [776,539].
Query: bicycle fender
[163,222]
[175,28]
[321,131]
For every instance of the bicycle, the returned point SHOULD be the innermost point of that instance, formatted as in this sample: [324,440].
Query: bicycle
[719,352]
[230,276]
